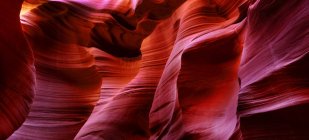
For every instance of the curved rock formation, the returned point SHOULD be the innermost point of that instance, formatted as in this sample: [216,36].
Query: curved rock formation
[68,83]
[197,94]
[133,101]
[16,70]
[273,71]
[154,69]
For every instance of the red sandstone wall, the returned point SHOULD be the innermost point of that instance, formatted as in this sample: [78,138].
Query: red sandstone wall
[154,69]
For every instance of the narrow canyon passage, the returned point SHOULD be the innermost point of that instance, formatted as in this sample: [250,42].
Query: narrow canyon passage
[154,69]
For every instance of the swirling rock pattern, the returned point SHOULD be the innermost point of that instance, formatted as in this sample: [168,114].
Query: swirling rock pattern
[273,78]
[154,69]
[68,83]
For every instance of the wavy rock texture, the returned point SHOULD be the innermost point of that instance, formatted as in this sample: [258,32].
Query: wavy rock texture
[273,71]
[154,69]
[68,83]
[197,93]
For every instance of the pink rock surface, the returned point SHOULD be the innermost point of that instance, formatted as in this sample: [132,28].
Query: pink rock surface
[273,72]
[126,114]
[68,83]
[197,93]
[154,69]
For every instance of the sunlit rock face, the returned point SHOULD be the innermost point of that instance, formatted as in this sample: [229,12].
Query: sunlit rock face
[154,69]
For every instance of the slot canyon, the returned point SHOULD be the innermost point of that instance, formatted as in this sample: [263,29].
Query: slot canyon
[154,69]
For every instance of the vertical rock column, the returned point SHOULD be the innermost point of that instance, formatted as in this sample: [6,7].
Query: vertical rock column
[16,69]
